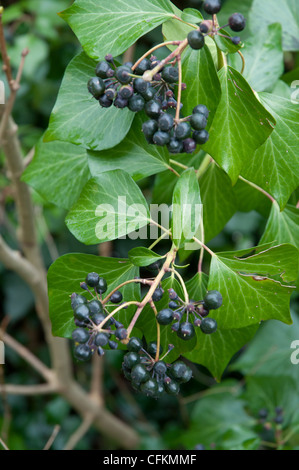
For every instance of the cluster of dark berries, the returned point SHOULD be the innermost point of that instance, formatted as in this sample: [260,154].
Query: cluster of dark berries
[150,376]
[236,22]
[278,418]
[90,314]
[179,137]
[200,310]
[122,87]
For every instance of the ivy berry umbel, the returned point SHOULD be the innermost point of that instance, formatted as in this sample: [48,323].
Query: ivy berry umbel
[155,87]
[97,329]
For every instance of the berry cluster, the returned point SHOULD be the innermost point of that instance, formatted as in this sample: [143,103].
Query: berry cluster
[88,317]
[278,418]
[123,87]
[150,376]
[200,310]
[236,22]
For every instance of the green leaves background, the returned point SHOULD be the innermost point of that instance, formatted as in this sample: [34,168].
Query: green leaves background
[97,155]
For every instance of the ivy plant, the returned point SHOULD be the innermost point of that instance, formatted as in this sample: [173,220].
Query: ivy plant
[206,123]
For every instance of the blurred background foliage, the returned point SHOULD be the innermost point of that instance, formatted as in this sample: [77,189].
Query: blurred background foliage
[218,415]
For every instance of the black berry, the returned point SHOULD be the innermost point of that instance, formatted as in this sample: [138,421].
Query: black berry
[122,74]
[153,109]
[80,335]
[161,138]
[182,131]
[201,137]
[201,109]
[149,128]
[165,316]
[237,22]
[116,297]
[208,326]
[96,87]
[136,103]
[175,146]
[158,294]
[165,122]
[102,286]
[170,74]
[134,344]
[82,352]
[212,7]
[196,40]
[102,68]
[186,331]
[189,145]
[213,300]
[198,121]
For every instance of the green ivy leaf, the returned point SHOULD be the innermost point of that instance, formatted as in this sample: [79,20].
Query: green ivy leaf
[282,227]
[219,419]
[240,126]
[274,166]
[133,155]
[110,206]
[207,89]
[78,118]
[263,56]
[186,210]
[254,284]
[218,199]
[216,350]
[142,256]
[285,12]
[191,15]
[67,162]
[269,353]
[112,28]
[65,275]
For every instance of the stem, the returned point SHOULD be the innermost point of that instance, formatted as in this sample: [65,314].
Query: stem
[5,57]
[174,171]
[261,190]
[180,165]
[149,74]
[120,307]
[141,281]
[243,62]
[169,259]
[179,98]
[185,22]
[203,166]
[168,232]
[153,49]
[177,274]
[157,241]
[204,246]
[158,331]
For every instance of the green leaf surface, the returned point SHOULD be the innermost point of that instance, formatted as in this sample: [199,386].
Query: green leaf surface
[110,206]
[133,155]
[104,28]
[274,166]
[204,90]
[65,275]
[240,126]
[191,15]
[270,352]
[218,199]
[263,56]
[78,118]
[256,284]
[58,172]
[216,350]
[282,227]
[218,421]
[285,12]
[143,256]
[187,209]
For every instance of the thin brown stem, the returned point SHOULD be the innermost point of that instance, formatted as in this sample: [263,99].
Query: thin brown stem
[261,190]
[179,97]
[149,74]
[153,49]
[243,62]
[4,54]
[169,259]
[52,437]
